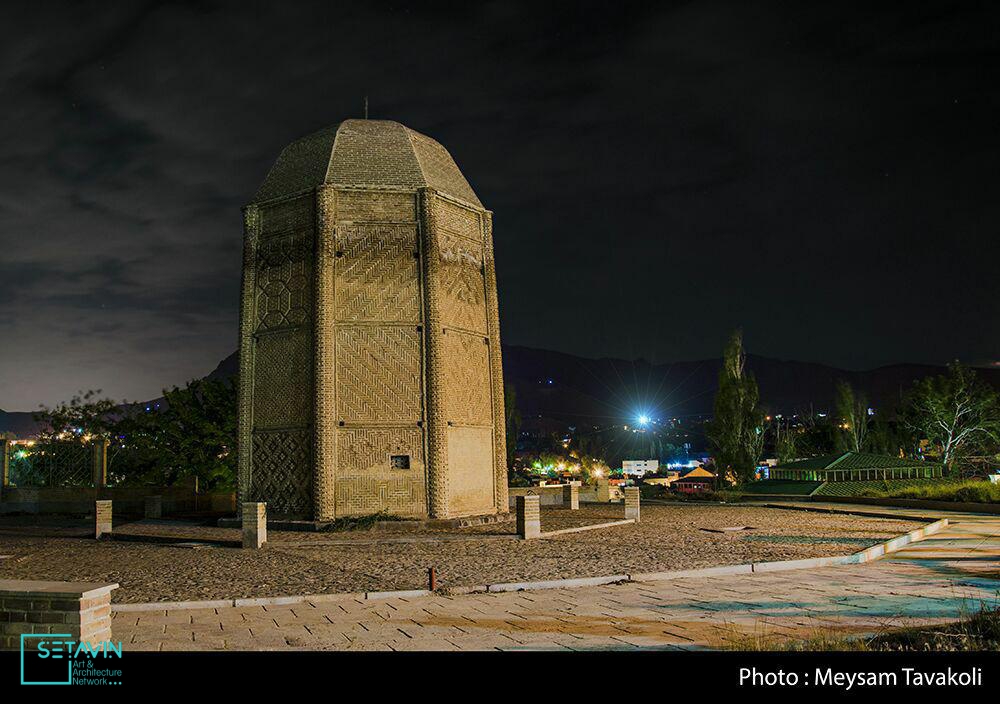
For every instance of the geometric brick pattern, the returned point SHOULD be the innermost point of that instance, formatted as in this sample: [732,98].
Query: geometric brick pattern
[282,391]
[366,481]
[369,206]
[377,273]
[458,220]
[281,473]
[378,374]
[467,387]
[284,280]
[293,215]
[462,283]
[368,246]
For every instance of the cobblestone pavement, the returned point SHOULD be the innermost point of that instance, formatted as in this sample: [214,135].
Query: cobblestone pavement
[931,581]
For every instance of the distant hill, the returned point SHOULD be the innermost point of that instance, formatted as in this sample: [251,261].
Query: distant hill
[564,389]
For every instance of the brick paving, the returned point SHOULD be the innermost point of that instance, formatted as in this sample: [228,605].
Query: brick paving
[929,582]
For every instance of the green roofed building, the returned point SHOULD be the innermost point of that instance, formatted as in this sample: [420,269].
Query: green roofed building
[854,466]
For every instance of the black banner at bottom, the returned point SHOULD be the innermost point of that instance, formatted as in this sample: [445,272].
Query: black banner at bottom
[596,672]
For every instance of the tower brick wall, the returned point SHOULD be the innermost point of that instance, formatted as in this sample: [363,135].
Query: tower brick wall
[370,370]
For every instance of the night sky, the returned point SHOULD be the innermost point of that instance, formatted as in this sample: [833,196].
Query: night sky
[825,177]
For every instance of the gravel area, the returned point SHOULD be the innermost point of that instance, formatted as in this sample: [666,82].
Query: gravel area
[397,557]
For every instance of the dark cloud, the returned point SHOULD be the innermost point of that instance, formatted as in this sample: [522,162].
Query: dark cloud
[660,173]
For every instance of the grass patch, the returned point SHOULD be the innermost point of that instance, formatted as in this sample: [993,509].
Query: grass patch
[972,632]
[968,490]
[366,522]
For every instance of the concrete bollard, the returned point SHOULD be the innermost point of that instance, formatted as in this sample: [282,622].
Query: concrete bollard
[632,503]
[529,517]
[571,496]
[154,507]
[102,518]
[254,525]
[603,491]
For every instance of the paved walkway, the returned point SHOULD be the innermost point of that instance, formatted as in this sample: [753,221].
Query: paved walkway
[928,582]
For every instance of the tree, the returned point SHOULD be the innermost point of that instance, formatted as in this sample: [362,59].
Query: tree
[852,411]
[737,428]
[192,435]
[84,416]
[512,418]
[955,412]
[785,442]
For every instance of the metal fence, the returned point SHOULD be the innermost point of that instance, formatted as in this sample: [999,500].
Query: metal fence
[53,464]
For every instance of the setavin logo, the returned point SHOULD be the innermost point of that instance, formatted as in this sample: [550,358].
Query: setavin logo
[55,658]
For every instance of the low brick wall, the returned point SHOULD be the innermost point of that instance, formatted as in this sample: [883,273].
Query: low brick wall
[549,495]
[81,610]
[590,495]
[127,500]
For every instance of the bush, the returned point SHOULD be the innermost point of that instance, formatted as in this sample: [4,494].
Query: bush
[969,490]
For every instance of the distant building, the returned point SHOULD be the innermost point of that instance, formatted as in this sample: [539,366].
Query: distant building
[853,467]
[694,482]
[638,468]
[666,479]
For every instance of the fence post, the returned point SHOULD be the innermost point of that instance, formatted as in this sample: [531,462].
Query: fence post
[100,447]
[102,518]
[529,517]
[5,483]
[153,507]
[632,503]
[254,525]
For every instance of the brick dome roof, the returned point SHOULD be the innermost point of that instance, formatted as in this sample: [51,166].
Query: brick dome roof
[365,153]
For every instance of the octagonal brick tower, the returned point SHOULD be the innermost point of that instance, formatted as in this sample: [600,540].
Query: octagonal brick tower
[370,373]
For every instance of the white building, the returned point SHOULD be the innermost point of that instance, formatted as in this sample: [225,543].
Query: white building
[638,468]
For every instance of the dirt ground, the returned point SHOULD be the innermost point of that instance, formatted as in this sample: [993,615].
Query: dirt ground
[396,556]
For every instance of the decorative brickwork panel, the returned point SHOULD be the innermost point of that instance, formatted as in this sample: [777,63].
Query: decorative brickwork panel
[378,374]
[377,273]
[457,220]
[467,385]
[281,473]
[470,471]
[376,206]
[288,216]
[367,481]
[282,391]
[284,280]
[463,303]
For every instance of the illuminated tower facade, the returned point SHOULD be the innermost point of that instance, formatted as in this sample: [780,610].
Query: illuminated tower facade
[370,370]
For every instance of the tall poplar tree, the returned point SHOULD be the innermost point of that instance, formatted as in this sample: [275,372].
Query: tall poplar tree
[737,429]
